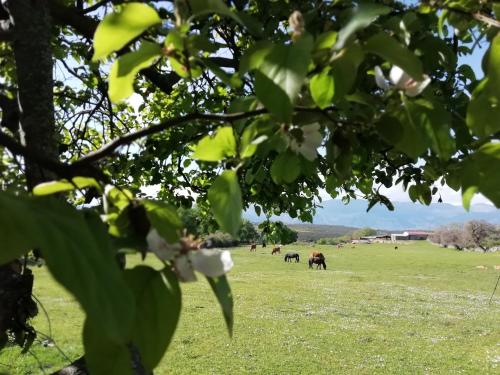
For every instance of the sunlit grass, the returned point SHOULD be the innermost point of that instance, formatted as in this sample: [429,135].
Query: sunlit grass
[416,310]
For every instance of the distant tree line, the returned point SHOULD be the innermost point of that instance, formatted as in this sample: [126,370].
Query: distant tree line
[200,223]
[354,235]
[471,235]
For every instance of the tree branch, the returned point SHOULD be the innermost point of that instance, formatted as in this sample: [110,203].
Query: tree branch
[84,166]
[109,148]
[478,16]
[86,26]
[62,170]
[95,6]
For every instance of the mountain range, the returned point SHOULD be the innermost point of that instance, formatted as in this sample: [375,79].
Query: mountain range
[406,215]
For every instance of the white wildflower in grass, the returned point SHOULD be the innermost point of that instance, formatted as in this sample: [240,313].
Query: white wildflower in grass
[311,140]
[187,258]
[401,81]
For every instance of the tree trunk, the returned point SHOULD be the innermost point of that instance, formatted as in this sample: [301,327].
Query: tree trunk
[34,64]
[37,130]
[35,113]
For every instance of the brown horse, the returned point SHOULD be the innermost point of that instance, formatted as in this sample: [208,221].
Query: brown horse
[316,254]
[317,258]
[319,261]
[276,250]
[253,247]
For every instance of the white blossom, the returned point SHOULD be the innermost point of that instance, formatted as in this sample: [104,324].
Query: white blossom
[312,139]
[211,263]
[401,81]
[158,245]
[184,269]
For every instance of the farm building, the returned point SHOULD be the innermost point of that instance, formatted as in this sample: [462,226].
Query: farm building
[410,236]
[379,238]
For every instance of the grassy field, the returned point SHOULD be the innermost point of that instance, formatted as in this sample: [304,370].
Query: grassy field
[418,310]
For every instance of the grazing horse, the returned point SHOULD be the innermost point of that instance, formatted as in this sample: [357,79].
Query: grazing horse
[276,250]
[290,255]
[316,254]
[319,261]
[253,247]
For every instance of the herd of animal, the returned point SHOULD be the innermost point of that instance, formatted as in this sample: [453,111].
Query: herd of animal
[315,258]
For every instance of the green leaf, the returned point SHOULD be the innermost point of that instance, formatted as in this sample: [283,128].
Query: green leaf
[254,134]
[483,111]
[435,53]
[203,7]
[53,187]
[77,252]
[126,67]
[158,305]
[164,219]
[420,192]
[345,69]
[285,168]
[467,195]
[225,200]
[283,70]
[325,41]
[250,140]
[479,171]
[221,74]
[273,97]
[390,129]
[413,141]
[215,148]
[222,291]
[436,121]
[118,29]
[362,17]
[254,55]
[391,50]
[116,199]
[425,124]
[484,108]
[322,89]
[102,356]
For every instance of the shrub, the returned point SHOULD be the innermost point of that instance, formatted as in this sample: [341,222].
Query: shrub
[220,239]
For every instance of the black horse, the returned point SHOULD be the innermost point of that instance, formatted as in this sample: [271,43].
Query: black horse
[319,261]
[290,255]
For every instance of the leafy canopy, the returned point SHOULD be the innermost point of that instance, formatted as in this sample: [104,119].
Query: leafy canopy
[223,105]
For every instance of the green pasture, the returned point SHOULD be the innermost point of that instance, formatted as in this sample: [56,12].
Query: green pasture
[375,310]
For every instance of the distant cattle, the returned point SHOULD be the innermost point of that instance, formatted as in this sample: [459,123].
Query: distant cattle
[292,255]
[276,250]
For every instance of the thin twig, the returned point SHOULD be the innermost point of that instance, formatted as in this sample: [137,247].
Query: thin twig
[40,365]
[495,289]
[55,345]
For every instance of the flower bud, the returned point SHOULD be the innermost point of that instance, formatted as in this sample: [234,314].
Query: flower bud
[296,21]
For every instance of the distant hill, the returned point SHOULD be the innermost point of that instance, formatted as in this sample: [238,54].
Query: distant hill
[310,232]
[406,215]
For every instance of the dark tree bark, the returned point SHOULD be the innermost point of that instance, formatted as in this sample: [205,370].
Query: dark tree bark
[34,64]
[34,112]
[31,36]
